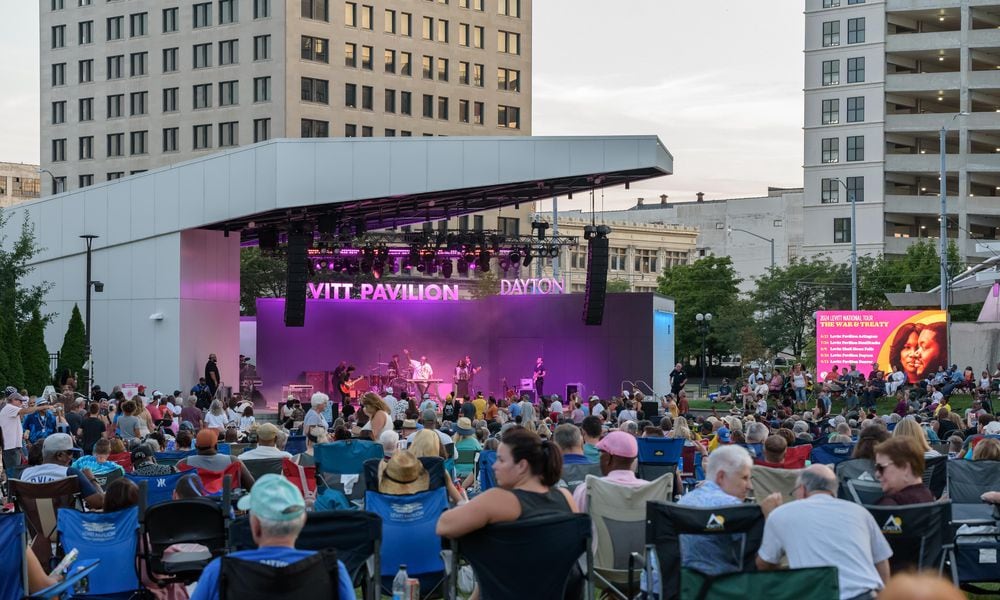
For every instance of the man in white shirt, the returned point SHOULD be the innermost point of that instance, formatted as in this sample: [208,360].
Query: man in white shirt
[267,438]
[802,531]
[11,419]
[596,408]
[397,409]
[422,371]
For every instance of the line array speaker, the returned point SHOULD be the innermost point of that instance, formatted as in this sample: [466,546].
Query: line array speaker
[297,279]
[597,280]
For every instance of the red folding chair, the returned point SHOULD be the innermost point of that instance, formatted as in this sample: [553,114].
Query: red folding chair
[212,480]
[796,457]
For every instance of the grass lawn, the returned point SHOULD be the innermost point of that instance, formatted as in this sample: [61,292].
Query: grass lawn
[884,405]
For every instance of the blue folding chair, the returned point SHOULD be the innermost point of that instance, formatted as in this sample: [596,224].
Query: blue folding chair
[157,488]
[658,456]
[409,537]
[171,459]
[296,444]
[341,465]
[13,541]
[110,537]
[831,454]
[487,479]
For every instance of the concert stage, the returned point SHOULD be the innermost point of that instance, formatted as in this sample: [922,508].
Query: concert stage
[503,334]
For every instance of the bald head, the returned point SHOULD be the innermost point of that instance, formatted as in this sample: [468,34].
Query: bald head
[818,478]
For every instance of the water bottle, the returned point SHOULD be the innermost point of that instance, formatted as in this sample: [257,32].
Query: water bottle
[399,584]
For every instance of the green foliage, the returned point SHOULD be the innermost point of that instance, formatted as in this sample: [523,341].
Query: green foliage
[14,268]
[35,355]
[262,275]
[618,285]
[487,284]
[708,285]
[73,354]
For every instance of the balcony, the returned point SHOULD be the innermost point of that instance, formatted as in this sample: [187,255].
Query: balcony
[937,40]
[918,82]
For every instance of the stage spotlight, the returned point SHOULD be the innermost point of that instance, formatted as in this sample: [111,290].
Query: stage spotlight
[504,264]
[331,265]
[589,232]
[484,260]
[446,269]
[323,264]
[553,251]
[377,269]
[514,256]
[469,256]
[420,267]
[463,267]
[414,254]
[394,265]
[432,267]
[527,258]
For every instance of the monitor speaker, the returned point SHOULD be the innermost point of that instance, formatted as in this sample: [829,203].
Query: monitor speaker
[297,279]
[597,280]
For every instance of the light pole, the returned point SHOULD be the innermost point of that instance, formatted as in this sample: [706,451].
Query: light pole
[52,176]
[854,245]
[731,229]
[944,212]
[98,287]
[704,321]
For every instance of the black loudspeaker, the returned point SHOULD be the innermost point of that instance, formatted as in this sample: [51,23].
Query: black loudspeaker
[651,409]
[267,239]
[597,281]
[297,278]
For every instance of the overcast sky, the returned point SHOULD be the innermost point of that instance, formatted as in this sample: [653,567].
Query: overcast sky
[720,81]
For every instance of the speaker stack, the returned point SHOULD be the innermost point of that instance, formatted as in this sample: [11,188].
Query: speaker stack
[297,278]
[597,273]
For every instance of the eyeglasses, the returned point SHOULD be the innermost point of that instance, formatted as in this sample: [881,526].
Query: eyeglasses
[880,468]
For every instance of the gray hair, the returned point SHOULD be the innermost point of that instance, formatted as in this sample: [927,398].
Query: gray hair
[216,407]
[727,459]
[281,439]
[191,401]
[800,427]
[630,427]
[567,437]
[841,439]
[756,433]
[389,440]
[280,529]
[819,479]
[319,398]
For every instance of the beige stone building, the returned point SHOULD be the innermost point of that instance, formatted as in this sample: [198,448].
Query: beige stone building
[131,86]
[639,252]
[19,182]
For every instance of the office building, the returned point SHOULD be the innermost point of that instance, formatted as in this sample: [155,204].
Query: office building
[881,80]
[19,182]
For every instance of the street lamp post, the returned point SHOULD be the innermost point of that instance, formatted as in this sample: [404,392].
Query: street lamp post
[97,287]
[943,185]
[731,229]
[854,245]
[704,321]
[53,177]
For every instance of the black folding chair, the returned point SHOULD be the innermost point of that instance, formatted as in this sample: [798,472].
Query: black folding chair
[312,577]
[543,552]
[864,492]
[919,534]
[259,467]
[936,474]
[355,535]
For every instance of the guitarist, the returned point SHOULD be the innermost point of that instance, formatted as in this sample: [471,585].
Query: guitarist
[539,378]
[342,382]
[422,371]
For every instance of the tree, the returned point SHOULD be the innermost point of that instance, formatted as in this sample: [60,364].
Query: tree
[261,276]
[35,355]
[73,354]
[14,269]
[618,285]
[708,285]
[487,284]
[14,368]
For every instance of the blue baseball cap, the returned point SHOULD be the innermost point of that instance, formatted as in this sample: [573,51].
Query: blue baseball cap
[274,498]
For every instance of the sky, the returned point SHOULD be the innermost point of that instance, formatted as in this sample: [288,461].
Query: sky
[719,81]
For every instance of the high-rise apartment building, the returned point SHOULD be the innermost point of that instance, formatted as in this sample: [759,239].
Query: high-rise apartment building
[882,77]
[131,85]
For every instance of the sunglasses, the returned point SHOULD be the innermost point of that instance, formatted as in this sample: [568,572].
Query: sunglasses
[880,468]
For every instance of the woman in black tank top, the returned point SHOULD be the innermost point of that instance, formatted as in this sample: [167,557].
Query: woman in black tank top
[527,470]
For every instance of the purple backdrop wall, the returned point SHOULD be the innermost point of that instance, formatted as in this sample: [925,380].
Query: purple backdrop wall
[504,334]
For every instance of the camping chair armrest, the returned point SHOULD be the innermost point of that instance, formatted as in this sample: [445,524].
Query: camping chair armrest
[635,560]
[80,570]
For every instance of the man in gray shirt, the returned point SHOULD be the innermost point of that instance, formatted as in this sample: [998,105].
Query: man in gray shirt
[209,459]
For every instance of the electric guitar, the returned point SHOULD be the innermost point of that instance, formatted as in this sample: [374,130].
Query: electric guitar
[347,386]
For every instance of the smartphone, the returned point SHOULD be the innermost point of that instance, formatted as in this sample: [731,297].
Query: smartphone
[63,567]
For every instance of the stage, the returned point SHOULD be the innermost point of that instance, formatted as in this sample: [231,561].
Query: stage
[503,335]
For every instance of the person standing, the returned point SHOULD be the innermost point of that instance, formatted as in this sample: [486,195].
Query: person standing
[11,427]
[677,379]
[212,378]
[539,378]
[422,372]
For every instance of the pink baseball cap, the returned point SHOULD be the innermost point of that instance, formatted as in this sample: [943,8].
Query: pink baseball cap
[619,443]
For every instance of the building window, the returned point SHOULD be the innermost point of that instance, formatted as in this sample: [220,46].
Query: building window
[509,117]
[831,72]
[202,96]
[477,75]
[645,261]
[390,132]
[229,52]
[406,24]
[428,67]
[508,42]
[228,12]
[202,56]
[58,112]
[463,72]
[428,111]
[262,47]
[312,128]
[229,134]
[829,191]
[428,28]
[86,109]
[261,9]
[390,61]
[443,108]
[202,137]
[137,142]
[367,97]
[856,69]
[170,139]
[831,33]
[170,99]
[510,8]
[509,226]
[317,10]
[137,103]
[85,32]
[856,109]
[390,101]
[842,230]
[367,17]
[850,2]
[367,131]
[405,103]
[261,89]
[58,36]
[405,64]
[855,148]
[831,3]
[856,30]
[350,95]
[115,28]
[137,25]
[389,21]
[203,16]
[617,259]
[463,34]
[58,74]
[115,175]
[85,71]
[856,189]
[350,55]
[137,64]
[316,49]
[479,110]
[169,60]
[831,111]
[169,20]
[116,144]
[116,106]
[442,30]
[366,58]
[229,93]
[442,69]
[58,4]
[478,37]
[86,180]
[351,14]
[315,90]
[261,130]
[116,66]
[59,150]
[508,80]
[463,111]
[831,150]
[350,130]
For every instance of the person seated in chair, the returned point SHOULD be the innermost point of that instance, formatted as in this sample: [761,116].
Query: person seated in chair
[144,463]
[209,459]
[570,442]
[277,515]
[899,467]
[775,447]
[267,438]
[618,453]
[57,456]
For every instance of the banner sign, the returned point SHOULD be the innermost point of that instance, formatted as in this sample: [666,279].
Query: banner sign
[427,291]
[912,341]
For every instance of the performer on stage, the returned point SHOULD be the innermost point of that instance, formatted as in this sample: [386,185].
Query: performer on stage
[342,382]
[422,371]
[463,376]
[539,377]
[394,370]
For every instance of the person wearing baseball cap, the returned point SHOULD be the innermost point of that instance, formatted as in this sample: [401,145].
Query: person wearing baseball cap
[267,439]
[11,425]
[58,453]
[208,458]
[618,451]
[277,515]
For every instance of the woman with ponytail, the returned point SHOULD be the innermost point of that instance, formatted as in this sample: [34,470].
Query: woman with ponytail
[527,470]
